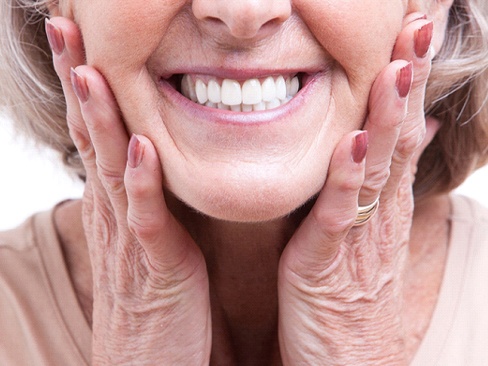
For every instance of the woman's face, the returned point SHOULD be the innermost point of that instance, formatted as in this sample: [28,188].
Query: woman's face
[242,166]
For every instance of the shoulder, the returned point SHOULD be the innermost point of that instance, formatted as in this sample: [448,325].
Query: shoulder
[465,209]
[469,235]
[458,331]
[40,319]
[19,238]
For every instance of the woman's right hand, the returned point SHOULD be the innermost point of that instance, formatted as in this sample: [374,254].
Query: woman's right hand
[151,302]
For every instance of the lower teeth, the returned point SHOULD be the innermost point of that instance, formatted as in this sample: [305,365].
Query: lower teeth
[263,106]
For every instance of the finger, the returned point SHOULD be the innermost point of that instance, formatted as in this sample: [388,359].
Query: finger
[387,104]
[166,243]
[67,48]
[107,133]
[414,43]
[432,125]
[316,243]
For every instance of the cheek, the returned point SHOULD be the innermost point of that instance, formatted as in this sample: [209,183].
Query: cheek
[359,35]
[119,36]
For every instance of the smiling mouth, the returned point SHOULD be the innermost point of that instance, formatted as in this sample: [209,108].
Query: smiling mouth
[256,94]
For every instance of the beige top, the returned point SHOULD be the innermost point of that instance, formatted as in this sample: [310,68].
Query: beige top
[41,322]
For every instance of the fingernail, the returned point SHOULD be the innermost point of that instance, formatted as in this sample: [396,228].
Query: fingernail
[135,152]
[360,147]
[79,86]
[404,80]
[423,38]
[54,37]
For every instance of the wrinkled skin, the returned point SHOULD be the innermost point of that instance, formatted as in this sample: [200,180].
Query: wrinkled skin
[339,287]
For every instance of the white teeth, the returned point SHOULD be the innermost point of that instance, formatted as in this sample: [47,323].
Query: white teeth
[188,89]
[294,86]
[259,106]
[213,91]
[252,95]
[223,106]
[246,107]
[231,92]
[269,89]
[273,103]
[251,92]
[201,90]
[281,88]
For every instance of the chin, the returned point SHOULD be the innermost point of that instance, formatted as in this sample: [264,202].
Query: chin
[251,201]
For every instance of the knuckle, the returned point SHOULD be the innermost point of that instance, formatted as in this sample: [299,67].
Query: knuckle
[142,228]
[409,142]
[105,224]
[77,131]
[112,180]
[84,147]
[352,184]
[333,227]
[376,178]
[138,189]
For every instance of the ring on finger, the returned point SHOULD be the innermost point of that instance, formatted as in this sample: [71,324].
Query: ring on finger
[365,213]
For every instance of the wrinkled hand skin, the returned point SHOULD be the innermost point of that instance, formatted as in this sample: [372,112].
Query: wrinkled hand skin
[340,287]
[148,273]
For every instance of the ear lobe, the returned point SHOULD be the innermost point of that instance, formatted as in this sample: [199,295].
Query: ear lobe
[440,15]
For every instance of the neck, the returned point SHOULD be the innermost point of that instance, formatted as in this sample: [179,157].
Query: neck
[242,261]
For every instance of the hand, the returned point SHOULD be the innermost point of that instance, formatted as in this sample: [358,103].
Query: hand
[151,301]
[341,287]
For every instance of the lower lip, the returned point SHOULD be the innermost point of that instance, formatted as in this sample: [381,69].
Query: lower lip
[218,116]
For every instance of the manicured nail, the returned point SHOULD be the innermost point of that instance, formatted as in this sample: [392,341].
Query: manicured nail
[404,80]
[54,37]
[360,147]
[423,39]
[135,152]
[79,86]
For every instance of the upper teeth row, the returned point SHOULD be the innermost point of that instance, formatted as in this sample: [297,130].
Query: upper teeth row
[231,95]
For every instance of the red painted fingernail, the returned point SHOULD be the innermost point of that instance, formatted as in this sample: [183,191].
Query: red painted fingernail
[360,147]
[404,80]
[79,86]
[54,37]
[135,152]
[423,39]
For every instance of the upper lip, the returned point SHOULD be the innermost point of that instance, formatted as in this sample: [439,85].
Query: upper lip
[238,74]
[238,67]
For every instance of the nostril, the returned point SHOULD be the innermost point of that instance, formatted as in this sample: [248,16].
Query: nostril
[243,19]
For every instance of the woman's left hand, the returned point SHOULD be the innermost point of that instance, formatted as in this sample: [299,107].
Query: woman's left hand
[340,285]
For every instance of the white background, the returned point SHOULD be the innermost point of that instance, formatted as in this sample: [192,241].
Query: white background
[32,180]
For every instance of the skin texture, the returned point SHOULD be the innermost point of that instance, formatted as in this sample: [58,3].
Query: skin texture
[182,38]
[340,290]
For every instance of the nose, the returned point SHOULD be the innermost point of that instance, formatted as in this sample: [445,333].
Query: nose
[243,19]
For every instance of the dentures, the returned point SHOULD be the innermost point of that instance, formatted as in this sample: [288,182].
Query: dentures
[241,96]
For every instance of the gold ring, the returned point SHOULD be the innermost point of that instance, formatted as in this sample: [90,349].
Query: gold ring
[365,213]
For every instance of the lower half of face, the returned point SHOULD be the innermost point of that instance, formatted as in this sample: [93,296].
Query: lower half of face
[245,130]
